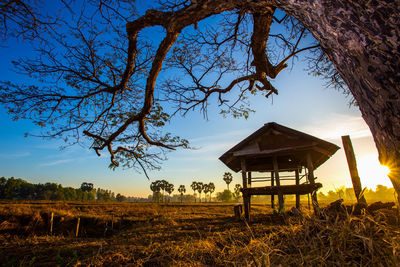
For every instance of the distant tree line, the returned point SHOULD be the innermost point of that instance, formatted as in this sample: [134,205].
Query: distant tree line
[159,187]
[19,189]
[381,193]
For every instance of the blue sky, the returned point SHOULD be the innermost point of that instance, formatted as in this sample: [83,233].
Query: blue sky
[303,103]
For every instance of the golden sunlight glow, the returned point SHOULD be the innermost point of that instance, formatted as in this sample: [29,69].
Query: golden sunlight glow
[371,172]
[385,169]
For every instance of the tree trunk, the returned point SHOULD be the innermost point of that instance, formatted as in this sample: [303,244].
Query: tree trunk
[362,40]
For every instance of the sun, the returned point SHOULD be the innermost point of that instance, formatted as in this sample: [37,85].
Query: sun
[371,172]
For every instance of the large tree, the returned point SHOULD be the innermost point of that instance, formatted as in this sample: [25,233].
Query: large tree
[109,88]
[362,40]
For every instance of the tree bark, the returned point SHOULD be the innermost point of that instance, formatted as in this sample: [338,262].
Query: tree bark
[362,39]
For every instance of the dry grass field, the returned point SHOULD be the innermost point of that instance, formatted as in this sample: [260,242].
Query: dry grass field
[145,234]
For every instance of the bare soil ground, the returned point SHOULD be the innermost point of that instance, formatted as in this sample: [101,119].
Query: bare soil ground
[145,234]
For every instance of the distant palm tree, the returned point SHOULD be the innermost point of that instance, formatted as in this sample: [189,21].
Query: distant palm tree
[200,187]
[163,185]
[206,189]
[194,188]
[155,187]
[211,188]
[227,178]
[237,191]
[182,190]
[169,188]
[86,186]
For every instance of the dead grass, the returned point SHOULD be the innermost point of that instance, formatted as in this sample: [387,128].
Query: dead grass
[145,234]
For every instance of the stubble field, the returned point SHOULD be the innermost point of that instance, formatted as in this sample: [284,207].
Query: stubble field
[146,234]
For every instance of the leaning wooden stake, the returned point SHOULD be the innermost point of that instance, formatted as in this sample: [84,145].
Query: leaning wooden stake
[351,161]
[77,227]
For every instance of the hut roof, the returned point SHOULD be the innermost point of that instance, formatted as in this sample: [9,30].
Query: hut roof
[288,145]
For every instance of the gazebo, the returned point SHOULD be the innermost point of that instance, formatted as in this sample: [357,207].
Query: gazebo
[286,159]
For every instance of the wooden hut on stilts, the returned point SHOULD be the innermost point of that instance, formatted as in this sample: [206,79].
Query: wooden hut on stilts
[286,159]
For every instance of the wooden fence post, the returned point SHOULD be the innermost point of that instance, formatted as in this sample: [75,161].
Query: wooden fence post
[238,211]
[351,161]
[77,227]
[51,222]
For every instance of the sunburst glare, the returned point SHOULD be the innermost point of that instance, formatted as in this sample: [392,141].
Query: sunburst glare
[371,172]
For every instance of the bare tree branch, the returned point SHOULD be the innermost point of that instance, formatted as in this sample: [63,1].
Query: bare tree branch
[92,78]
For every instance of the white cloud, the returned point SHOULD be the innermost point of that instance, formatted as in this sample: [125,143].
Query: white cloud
[338,125]
[213,147]
[57,162]
[216,144]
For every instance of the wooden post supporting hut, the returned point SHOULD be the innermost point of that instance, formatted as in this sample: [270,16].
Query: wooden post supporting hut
[285,157]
